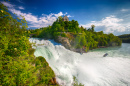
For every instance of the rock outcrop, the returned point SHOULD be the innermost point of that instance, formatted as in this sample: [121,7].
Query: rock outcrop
[64,41]
[53,82]
[69,44]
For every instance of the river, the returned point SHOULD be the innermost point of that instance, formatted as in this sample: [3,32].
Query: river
[90,69]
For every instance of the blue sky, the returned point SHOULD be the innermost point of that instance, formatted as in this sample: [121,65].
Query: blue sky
[110,16]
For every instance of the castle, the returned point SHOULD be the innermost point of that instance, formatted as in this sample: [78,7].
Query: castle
[65,18]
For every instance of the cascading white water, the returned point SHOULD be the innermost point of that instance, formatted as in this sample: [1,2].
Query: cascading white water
[91,69]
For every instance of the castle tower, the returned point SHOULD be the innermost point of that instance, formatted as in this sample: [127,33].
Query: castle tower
[65,18]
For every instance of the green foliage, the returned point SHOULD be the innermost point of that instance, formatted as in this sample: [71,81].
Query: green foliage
[57,28]
[76,82]
[18,66]
[80,41]
[79,37]
[45,72]
[125,38]
[18,72]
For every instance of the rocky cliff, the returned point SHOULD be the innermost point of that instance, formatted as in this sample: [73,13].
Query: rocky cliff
[69,44]
[64,41]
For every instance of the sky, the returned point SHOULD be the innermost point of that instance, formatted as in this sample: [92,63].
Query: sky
[109,16]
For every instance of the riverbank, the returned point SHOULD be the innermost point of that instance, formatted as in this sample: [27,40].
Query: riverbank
[71,44]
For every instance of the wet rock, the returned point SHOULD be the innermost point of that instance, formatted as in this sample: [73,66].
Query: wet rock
[64,41]
[53,81]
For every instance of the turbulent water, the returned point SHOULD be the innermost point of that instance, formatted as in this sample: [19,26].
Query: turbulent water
[90,69]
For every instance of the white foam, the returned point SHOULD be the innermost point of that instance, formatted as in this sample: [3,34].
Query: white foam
[91,69]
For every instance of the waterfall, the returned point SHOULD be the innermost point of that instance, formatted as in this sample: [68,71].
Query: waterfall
[90,69]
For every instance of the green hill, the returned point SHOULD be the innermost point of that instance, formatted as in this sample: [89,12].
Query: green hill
[125,38]
[76,38]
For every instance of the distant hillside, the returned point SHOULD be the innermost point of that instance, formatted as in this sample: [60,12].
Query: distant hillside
[125,38]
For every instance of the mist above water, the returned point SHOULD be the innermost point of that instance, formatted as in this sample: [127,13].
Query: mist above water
[90,69]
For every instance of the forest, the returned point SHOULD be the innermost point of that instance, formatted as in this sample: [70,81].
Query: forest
[125,38]
[80,37]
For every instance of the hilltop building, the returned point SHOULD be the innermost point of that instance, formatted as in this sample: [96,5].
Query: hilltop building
[65,18]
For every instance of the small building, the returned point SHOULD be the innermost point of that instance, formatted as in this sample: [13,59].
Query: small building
[65,18]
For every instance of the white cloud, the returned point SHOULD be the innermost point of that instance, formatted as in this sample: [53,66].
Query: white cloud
[66,13]
[35,21]
[59,14]
[93,21]
[20,7]
[109,24]
[69,16]
[28,16]
[124,10]
[7,4]
[20,1]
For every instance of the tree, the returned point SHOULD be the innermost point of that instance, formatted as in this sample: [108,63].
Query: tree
[60,19]
[92,28]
